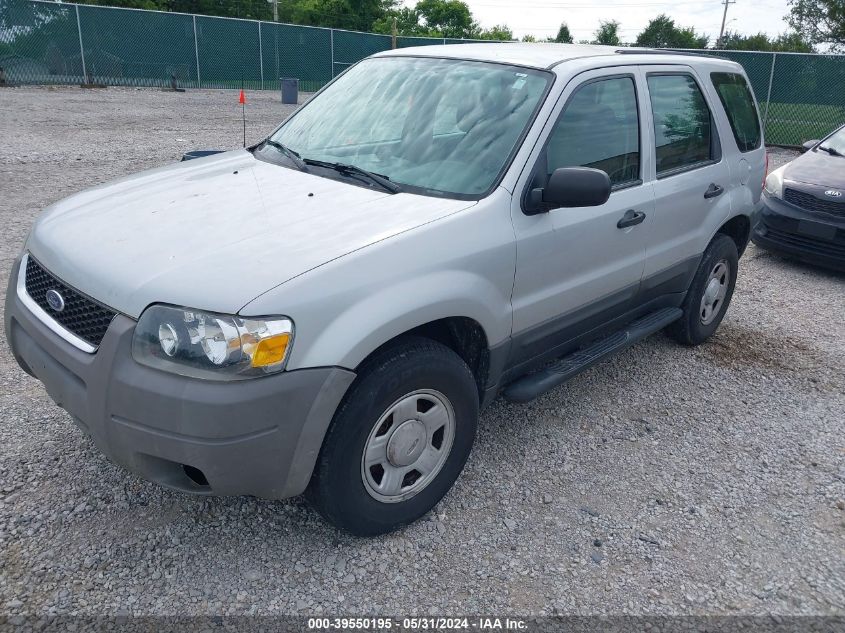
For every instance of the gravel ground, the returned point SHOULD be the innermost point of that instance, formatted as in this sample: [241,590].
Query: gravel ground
[664,481]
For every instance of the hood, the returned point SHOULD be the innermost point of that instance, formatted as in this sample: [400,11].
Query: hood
[214,233]
[817,168]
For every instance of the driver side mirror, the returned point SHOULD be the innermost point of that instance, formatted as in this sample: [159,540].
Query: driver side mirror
[808,145]
[572,187]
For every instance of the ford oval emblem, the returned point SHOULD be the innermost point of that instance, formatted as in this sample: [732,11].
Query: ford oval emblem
[833,193]
[55,300]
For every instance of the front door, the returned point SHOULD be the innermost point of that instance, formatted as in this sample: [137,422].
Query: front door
[577,268]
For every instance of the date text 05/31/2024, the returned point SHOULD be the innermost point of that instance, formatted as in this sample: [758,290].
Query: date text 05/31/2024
[417,624]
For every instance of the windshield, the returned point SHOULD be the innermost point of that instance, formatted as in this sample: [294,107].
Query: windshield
[430,125]
[836,142]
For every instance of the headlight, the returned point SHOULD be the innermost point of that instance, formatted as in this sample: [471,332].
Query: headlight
[774,182]
[208,345]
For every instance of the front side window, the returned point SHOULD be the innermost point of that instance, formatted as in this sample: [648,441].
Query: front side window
[599,128]
[436,126]
[682,122]
[739,106]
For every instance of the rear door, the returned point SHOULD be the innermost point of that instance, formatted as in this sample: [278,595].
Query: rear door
[692,179]
[746,152]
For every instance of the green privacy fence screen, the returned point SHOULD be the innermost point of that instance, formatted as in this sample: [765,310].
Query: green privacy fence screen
[800,95]
[54,43]
[59,43]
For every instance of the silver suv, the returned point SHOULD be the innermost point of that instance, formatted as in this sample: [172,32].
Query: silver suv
[327,312]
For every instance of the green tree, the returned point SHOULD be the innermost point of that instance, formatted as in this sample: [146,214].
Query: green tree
[448,18]
[407,23]
[792,42]
[819,21]
[786,42]
[529,38]
[439,18]
[500,33]
[608,33]
[563,35]
[662,32]
[355,15]
[737,42]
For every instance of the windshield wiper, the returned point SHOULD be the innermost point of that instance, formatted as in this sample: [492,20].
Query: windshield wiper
[382,181]
[287,151]
[830,150]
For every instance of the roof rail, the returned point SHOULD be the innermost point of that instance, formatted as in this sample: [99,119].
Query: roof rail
[658,51]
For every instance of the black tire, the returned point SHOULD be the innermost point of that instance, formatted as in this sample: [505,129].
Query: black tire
[690,328]
[337,489]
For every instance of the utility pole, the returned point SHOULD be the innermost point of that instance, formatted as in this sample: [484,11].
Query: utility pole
[394,31]
[276,33]
[724,18]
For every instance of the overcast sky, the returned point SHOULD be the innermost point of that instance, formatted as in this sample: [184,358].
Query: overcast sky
[541,18]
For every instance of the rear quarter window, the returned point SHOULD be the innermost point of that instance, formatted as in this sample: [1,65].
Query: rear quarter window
[739,105]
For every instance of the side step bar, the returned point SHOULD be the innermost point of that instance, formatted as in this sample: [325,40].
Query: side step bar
[532,385]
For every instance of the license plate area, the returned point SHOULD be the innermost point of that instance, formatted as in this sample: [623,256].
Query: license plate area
[816,230]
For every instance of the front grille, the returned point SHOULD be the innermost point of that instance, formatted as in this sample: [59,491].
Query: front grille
[82,316]
[809,202]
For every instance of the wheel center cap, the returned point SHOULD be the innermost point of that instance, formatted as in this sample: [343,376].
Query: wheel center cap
[407,443]
[712,291]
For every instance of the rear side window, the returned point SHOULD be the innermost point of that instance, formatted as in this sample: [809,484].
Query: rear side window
[739,105]
[682,122]
[599,128]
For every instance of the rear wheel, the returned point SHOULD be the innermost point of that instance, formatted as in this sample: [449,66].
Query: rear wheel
[709,294]
[398,441]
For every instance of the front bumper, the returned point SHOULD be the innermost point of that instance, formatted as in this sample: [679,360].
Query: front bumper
[784,228]
[255,437]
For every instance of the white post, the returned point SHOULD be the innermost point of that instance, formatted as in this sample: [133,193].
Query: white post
[197,52]
[260,56]
[769,95]
[81,47]
[332,40]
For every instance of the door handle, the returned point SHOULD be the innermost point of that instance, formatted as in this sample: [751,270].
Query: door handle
[631,218]
[714,190]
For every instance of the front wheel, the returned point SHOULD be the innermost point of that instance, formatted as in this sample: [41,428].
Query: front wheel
[709,293]
[398,441]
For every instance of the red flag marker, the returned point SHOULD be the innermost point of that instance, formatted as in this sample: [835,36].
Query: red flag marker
[242,101]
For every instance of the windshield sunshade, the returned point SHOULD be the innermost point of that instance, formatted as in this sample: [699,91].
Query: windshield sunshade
[431,125]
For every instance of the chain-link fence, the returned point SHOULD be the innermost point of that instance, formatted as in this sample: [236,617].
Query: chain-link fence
[801,96]
[55,43]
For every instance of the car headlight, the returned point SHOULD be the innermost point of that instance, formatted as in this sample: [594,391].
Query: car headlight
[209,345]
[774,182]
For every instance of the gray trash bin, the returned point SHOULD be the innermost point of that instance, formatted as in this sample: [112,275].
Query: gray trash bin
[290,90]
